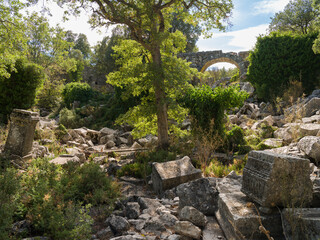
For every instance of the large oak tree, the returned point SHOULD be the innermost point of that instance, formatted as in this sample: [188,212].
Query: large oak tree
[149,22]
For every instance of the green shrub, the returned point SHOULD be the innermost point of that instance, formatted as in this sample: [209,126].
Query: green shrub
[206,104]
[9,186]
[76,91]
[218,169]
[235,138]
[19,90]
[266,131]
[68,118]
[89,184]
[52,198]
[279,58]
[50,95]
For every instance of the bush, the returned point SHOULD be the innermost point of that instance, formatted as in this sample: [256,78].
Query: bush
[19,90]
[236,141]
[68,118]
[206,104]
[53,198]
[75,91]
[277,59]
[9,186]
[49,96]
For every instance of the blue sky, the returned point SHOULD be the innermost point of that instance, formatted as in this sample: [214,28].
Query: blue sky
[249,20]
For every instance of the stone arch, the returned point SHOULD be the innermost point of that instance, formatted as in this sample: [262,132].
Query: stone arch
[218,60]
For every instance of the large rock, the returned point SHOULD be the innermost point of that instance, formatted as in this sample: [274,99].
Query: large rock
[132,210]
[170,174]
[302,223]
[118,224]
[187,229]
[240,220]
[201,194]
[277,180]
[212,231]
[311,147]
[310,129]
[193,215]
[311,107]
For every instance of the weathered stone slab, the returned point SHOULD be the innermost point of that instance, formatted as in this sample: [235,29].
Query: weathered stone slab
[277,180]
[302,223]
[171,174]
[212,231]
[21,132]
[238,220]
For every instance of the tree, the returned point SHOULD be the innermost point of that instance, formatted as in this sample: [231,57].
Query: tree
[190,31]
[149,22]
[298,16]
[280,58]
[12,39]
[83,45]
[316,45]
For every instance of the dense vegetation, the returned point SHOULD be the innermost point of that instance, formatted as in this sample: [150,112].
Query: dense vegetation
[279,59]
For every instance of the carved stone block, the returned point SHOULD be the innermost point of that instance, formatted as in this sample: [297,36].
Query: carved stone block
[171,174]
[21,132]
[277,180]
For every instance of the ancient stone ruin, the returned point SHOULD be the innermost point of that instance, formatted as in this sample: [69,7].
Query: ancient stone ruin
[21,133]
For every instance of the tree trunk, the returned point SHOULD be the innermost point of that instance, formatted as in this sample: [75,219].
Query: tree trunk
[161,104]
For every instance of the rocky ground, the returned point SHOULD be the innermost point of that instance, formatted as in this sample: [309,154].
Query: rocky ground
[187,211]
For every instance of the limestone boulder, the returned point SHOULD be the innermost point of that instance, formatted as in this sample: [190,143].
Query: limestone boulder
[201,194]
[106,131]
[311,147]
[193,215]
[187,229]
[136,145]
[273,142]
[132,210]
[312,119]
[310,129]
[110,144]
[311,107]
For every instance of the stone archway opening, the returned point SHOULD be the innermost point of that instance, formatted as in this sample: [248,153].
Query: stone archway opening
[220,72]
[219,60]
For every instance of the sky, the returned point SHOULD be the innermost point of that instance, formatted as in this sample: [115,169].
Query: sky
[250,18]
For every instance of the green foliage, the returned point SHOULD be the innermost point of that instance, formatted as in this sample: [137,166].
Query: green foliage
[277,59]
[49,96]
[68,118]
[56,200]
[19,90]
[218,169]
[75,91]
[42,203]
[298,16]
[236,140]
[9,186]
[13,40]
[206,105]
[82,44]
[316,45]
[89,184]
[135,77]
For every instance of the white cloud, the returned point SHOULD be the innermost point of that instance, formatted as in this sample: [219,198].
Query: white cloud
[241,40]
[269,6]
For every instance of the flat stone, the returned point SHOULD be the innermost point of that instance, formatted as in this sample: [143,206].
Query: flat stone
[311,107]
[187,229]
[212,231]
[201,194]
[193,215]
[105,234]
[171,174]
[277,180]
[310,129]
[302,223]
[118,224]
[64,159]
[238,220]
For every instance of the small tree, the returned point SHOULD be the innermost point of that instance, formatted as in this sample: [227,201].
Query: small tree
[19,90]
